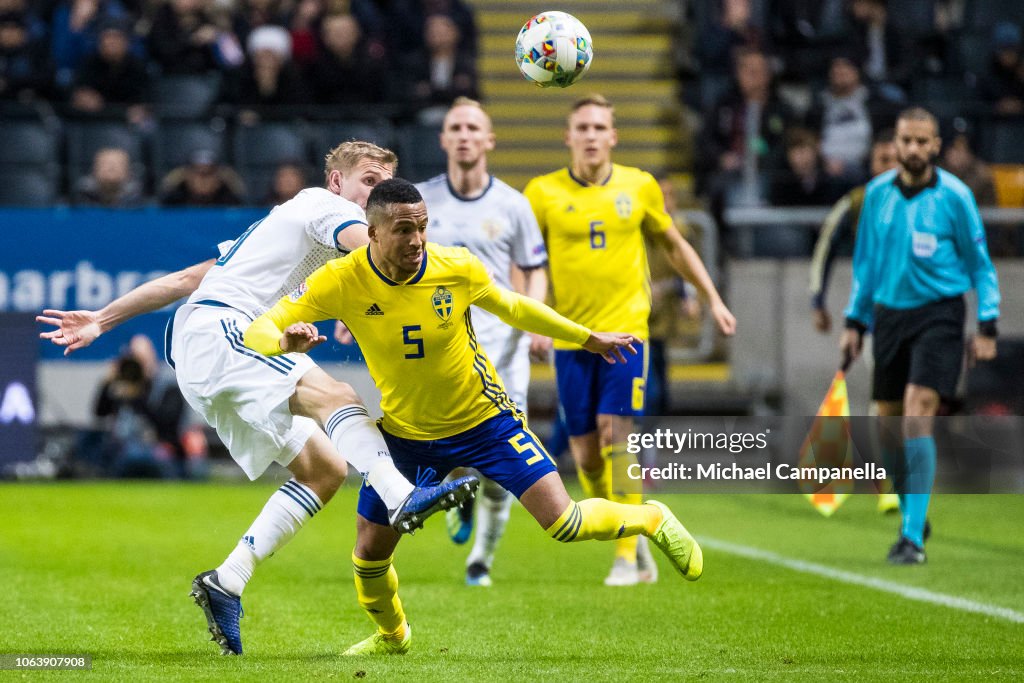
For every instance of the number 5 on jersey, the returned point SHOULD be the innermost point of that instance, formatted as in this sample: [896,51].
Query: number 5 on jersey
[410,340]
[525,442]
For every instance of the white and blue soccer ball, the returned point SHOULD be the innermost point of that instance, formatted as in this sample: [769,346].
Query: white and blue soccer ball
[554,50]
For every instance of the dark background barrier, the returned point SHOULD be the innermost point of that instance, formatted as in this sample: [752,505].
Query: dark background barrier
[18,355]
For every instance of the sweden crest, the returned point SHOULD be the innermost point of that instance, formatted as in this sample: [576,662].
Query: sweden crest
[443,307]
[623,206]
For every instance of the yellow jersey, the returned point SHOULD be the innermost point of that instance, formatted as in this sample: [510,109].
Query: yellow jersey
[595,241]
[416,336]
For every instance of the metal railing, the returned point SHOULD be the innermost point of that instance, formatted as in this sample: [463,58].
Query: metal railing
[746,220]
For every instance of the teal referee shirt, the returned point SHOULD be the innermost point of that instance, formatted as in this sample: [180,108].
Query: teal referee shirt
[919,245]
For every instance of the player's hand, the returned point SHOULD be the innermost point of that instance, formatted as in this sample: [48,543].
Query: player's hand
[850,345]
[822,320]
[75,329]
[609,345]
[342,334]
[981,348]
[540,348]
[724,318]
[300,338]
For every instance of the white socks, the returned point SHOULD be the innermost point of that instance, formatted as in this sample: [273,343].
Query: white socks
[359,441]
[491,519]
[357,438]
[283,515]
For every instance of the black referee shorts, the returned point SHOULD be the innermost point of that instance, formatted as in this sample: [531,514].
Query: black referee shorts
[923,346]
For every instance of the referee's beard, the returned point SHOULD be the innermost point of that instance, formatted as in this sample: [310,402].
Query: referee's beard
[919,168]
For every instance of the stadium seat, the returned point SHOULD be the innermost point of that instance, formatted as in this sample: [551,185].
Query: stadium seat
[186,96]
[947,98]
[27,187]
[259,149]
[1009,182]
[987,13]
[325,136]
[933,89]
[1003,141]
[911,16]
[29,165]
[419,152]
[176,140]
[973,51]
[85,138]
[27,142]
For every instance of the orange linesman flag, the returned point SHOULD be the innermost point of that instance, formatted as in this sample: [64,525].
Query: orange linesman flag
[828,445]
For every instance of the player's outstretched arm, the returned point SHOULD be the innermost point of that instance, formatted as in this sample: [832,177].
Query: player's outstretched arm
[300,338]
[528,314]
[77,329]
[685,260]
[288,326]
[533,316]
[265,335]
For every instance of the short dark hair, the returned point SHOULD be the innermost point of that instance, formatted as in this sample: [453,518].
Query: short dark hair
[387,193]
[919,114]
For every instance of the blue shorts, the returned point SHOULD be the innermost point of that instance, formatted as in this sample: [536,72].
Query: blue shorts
[501,448]
[589,386]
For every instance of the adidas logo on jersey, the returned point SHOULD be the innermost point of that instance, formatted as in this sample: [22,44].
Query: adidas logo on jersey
[374,310]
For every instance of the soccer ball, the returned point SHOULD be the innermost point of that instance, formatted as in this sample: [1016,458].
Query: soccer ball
[554,49]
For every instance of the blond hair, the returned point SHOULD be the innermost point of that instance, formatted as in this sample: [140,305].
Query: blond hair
[593,99]
[463,101]
[349,153]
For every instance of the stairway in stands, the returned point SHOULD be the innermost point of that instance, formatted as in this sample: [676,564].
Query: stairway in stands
[632,68]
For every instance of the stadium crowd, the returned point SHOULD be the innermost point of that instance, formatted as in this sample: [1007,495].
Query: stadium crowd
[791,93]
[93,54]
[151,66]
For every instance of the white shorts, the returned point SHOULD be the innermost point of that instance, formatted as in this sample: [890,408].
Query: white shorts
[241,394]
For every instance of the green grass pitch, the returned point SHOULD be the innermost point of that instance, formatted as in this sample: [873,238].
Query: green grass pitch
[104,570]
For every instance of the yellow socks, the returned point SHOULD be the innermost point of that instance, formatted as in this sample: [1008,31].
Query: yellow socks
[597,484]
[604,520]
[377,589]
[624,490]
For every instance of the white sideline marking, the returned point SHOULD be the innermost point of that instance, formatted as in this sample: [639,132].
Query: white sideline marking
[908,592]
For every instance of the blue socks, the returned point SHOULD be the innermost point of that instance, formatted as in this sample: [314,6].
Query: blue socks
[916,492]
[896,467]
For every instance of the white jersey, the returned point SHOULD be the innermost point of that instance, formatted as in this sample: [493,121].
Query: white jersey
[499,228]
[242,394]
[279,251]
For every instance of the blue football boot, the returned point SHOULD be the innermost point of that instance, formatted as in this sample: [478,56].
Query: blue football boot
[222,610]
[426,500]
